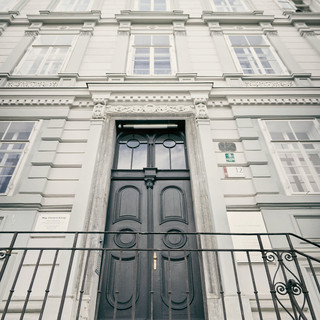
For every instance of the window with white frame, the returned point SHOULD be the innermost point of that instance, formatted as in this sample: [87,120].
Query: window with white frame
[296,144]
[286,5]
[229,6]
[47,55]
[14,136]
[152,55]
[73,5]
[6,5]
[152,5]
[255,55]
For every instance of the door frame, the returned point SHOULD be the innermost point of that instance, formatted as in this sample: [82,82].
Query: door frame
[198,181]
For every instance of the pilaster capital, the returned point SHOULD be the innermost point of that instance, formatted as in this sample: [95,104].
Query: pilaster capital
[99,109]
[201,108]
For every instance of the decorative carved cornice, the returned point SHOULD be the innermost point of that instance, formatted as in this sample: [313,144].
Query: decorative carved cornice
[32,84]
[150,108]
[201,108]
[260,84]
[29,33]
[101,109]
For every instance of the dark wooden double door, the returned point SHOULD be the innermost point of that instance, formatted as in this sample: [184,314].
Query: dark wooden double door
[150,193]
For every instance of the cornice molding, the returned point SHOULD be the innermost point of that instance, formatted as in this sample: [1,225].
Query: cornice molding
[49,101]
[151,17]
[64,17]
[254,17]
[273,101]
[305,17]
[6,17]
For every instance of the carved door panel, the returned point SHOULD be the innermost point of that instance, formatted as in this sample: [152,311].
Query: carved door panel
[150,193]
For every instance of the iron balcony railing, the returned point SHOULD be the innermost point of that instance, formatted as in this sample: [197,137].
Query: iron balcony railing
[56,275]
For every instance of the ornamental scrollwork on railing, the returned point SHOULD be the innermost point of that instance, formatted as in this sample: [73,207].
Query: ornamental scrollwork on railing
[287,284]
[3,254]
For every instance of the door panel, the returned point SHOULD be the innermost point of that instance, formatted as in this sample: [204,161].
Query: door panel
[124,276]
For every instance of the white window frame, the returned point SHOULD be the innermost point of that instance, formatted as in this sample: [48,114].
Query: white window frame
[151,73]
[286,5]
[152,6]
[14,140]
[259,66]
[73,8]
[47,56]
[294,152]
[228,7]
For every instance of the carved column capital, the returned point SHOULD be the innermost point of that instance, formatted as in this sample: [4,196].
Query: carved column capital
[201,108]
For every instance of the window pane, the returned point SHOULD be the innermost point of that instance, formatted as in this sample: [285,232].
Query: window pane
[162,61]
[238,40]
[144,5]
[19,131]
[162,157]
[268,61]
[124,158]
[4,182]
[236,6]
[178,160]
[305,130]
[161,40]
[142,40]
[140,157]
[256,40]
[142,61]
[159,5]
[3,127]
[280,130]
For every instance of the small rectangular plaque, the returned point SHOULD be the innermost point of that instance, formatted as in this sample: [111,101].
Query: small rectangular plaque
[52,222]
[234,172]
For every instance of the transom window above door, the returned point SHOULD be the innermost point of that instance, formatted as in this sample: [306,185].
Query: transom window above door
[162,149]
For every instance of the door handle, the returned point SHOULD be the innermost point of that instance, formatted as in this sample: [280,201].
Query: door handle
[155,261]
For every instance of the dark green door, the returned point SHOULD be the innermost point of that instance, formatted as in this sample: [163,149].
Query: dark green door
[150,194]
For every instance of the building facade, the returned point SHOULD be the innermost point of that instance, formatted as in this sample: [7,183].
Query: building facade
[160,159]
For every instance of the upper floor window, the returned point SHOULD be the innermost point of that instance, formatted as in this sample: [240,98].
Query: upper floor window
[229,6]
[46,55]
[14,137]
[6,5]
[152,5]
[73,5]
[255,55]
[296,144]
[286,5]
[152,55]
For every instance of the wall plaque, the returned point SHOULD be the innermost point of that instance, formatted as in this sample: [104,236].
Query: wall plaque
[52,222]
